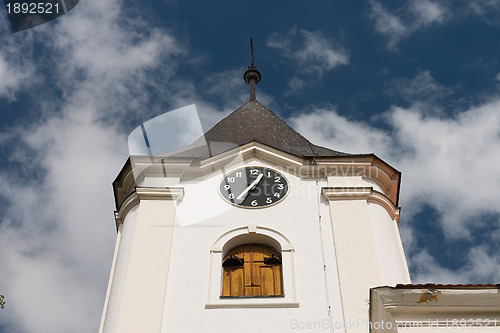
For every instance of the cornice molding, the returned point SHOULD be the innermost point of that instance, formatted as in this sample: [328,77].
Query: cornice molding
[362,193]
[157,193]
[147,193]
[346,193]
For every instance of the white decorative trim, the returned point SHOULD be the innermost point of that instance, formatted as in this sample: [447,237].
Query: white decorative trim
[277,154]
[362,193]
[233,238]
[346,193]
[378,198]
[110,281]
[237,155]
[156,193]
[243,230]
[147,193]
[131,201]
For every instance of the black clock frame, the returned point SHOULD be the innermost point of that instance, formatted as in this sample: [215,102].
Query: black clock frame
[272,188]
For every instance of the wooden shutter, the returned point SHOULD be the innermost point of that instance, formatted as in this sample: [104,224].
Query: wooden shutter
[233,281]
[255,277]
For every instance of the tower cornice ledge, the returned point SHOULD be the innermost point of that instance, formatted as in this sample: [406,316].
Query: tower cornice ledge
[147,193]
[158,193]
[362,193]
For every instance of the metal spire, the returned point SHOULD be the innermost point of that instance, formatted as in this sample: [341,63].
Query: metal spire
[251,50]
[252,75]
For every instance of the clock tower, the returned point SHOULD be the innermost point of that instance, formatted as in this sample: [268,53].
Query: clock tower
[252,228]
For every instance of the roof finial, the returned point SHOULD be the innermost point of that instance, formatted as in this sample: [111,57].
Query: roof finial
[251,48]
[252,75]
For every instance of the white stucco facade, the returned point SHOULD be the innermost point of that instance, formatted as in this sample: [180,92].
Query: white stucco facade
[336,231]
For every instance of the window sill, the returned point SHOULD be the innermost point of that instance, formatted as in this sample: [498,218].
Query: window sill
[252,296]
[241,302]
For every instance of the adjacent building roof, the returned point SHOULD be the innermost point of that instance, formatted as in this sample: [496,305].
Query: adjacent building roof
[445,286]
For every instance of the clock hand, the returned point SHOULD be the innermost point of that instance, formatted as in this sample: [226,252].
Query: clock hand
[250,187]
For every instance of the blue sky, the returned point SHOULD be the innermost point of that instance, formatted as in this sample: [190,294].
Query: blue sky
[417,82]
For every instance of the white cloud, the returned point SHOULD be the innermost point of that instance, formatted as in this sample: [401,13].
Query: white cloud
[430,271]
[325,127]
[452,164]
[487,9]
[319,54]
[422,88]
[11,80]
[480,265]
[227,86]
[427,12]
[311,51]
[56,247]
[16,70]
[387,24]
[281,41]
[295,84]
[406,20]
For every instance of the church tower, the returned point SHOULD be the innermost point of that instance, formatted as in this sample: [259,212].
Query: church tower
[252,228]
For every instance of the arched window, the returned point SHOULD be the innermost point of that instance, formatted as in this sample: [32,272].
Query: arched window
[252,270]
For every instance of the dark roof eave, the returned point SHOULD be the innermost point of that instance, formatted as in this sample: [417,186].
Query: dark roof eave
[127,167]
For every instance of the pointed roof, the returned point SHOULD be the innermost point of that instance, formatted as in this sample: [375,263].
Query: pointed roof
[253,122]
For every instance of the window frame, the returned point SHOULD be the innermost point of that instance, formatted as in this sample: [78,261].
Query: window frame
[246,235]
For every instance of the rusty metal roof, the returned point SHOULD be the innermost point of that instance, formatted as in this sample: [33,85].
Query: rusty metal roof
[447,286]
[253,122]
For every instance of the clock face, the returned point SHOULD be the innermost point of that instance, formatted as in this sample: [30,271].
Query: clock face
[254,187]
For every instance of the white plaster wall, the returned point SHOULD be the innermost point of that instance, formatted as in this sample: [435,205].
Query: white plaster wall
[137,293]
[357,262]
[204,216]
[390,254]
[126,236]
[143,297]
[364,234]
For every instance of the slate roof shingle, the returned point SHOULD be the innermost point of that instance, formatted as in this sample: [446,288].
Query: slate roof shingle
[253,122]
